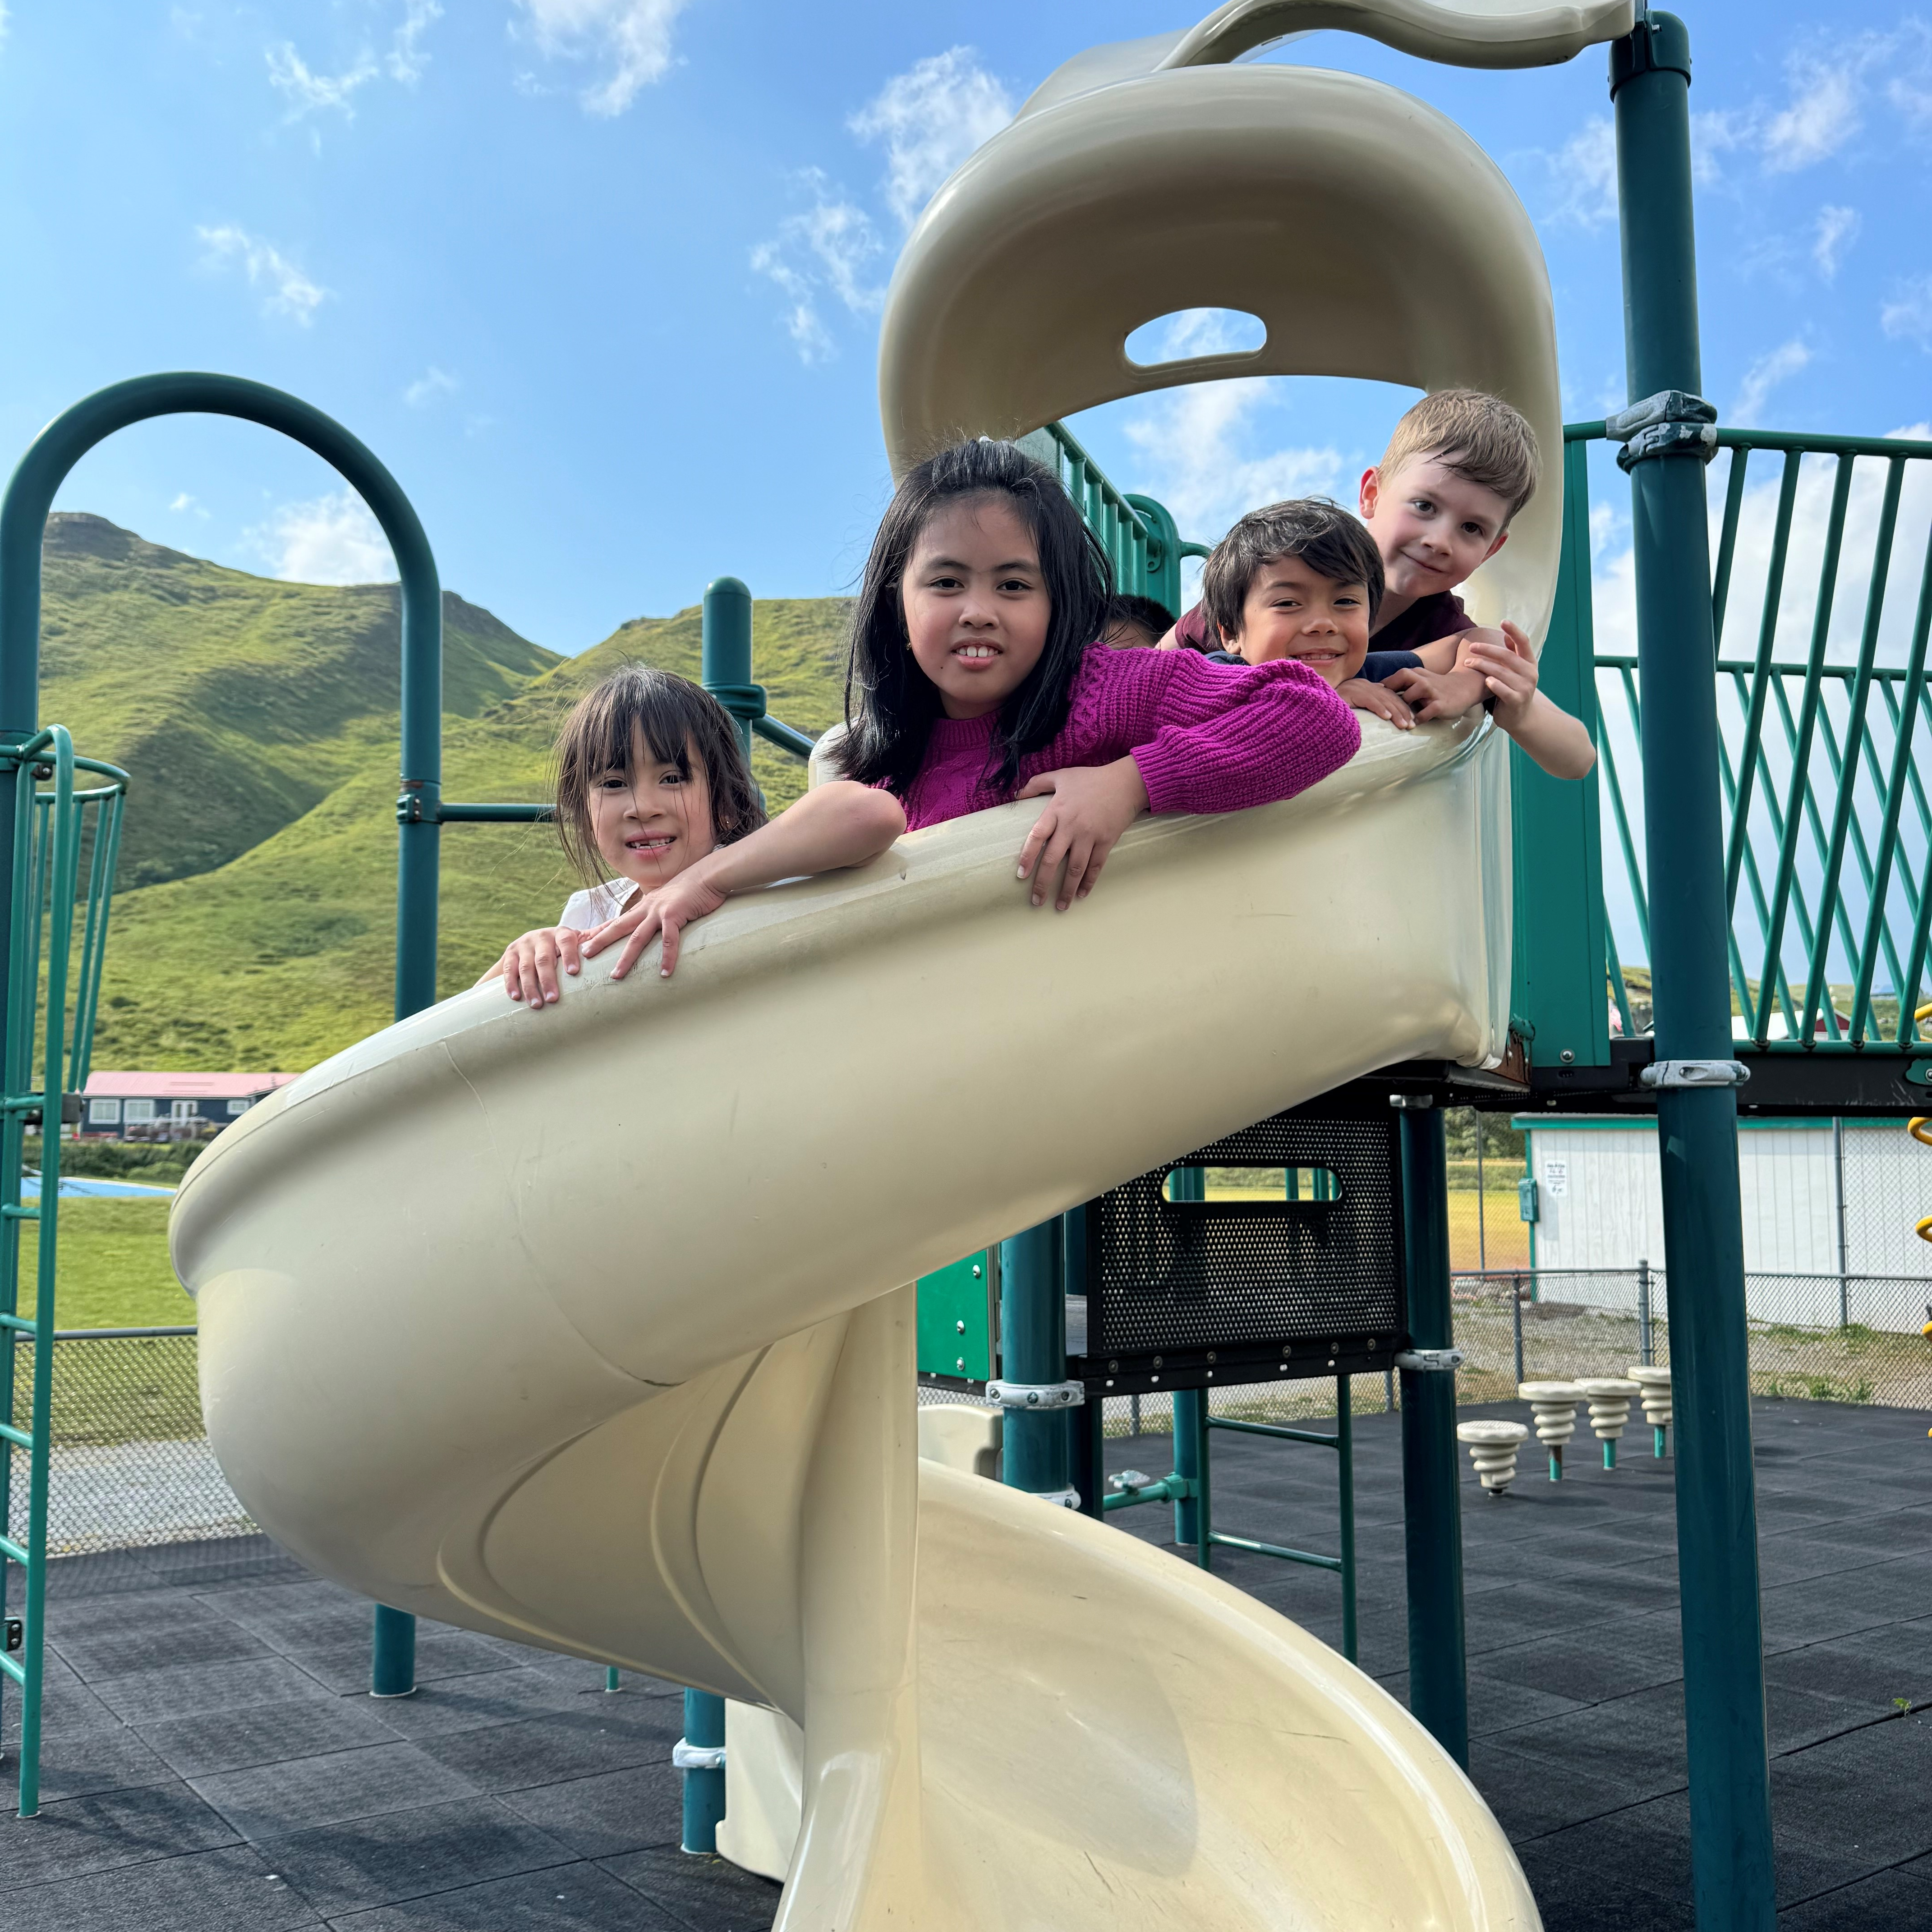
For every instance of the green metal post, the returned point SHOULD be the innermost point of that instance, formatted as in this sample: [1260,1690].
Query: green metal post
[23,517]
[1345,1446]
[1716,1534]
[1032,1351]
[1438,1691]
[726,654]
[1190,1406]
[703,1783]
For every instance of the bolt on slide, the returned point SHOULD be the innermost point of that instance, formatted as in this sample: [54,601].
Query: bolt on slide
[591,1332]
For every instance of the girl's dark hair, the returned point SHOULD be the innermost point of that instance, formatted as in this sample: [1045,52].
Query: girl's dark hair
[890,703]
[677,720]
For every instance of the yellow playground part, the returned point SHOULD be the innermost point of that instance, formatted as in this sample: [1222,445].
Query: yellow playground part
[587,1328]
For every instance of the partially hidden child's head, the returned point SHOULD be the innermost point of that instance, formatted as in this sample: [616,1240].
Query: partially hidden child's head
[1300,580]
[1138,623]
[650,777]
[1459,467]
[983,592]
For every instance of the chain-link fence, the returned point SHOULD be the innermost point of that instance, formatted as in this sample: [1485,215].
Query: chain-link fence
[129,1464]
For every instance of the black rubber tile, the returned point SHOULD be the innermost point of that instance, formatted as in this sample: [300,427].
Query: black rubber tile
[1531,1796]
[571,1898]
[1658,1835]
[229,1890]
[161,1643]
[110,1572]
[130,1612]
[240,1559]
[602,1817]
[452,1704]
[273,1800]
[1829,1606]
[1871,1668]
[189,1690]
[95,1761]
[1893,1899]
[372,1862]
[344,1668]
[1495,1705]
[68,1708]
[263,1606]
[539,1751]
[80,1835]
[1572,1900]
[299,1727]
[1861,1797]
[1633,1734]
[708,1894]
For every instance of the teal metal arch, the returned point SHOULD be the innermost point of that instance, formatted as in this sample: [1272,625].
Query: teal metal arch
[420,811]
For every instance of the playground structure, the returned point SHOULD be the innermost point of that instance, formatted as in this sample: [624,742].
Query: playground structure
[776,1454]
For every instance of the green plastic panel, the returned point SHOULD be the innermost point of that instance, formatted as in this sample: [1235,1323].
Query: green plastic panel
[955,1320]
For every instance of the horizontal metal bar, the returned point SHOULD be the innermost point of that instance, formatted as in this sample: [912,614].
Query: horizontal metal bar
[128,1334]
[495,815]
[11,1213]
[1895,674]
[1275,1430]
[1802,441]
[8,1433]
[22,1322]
[13,1551]
[786,737]
[18,1672]
[1287,1556]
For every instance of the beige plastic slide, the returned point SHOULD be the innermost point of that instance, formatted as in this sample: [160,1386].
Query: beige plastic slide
[586,1328]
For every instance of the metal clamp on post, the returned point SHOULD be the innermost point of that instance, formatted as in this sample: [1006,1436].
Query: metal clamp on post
[1671,423]
[1695,1073]
[1066,1498]
[746,702]
[1431,1361]
[1036,1395]
[696,1757]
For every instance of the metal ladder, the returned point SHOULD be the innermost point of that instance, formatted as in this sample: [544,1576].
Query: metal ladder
[51,827]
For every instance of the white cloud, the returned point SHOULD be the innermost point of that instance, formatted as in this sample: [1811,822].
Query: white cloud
[432,383]
[1837,229]
[185,503]
[931,117]
[827,249]
[1909,314]
[1823,113]
[629,41]
[333,539]
[290,292]
[3,22]
[1584,176]
[308,92]
[1197,447]
[1776,366]
[407,59]
[1715,133]
[311,93]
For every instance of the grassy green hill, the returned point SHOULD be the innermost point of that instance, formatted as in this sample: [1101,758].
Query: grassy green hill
[282,951]
[238,703]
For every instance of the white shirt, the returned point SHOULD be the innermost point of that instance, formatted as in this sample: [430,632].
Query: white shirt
[597,905]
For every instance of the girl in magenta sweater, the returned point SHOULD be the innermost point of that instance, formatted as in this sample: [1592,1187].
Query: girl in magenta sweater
[977,678]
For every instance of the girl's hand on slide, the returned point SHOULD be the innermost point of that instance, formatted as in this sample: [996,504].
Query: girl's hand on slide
[668,910]
[1367,697]
[529,964]
[1093,805]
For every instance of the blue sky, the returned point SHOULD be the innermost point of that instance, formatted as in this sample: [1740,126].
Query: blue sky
[600,279]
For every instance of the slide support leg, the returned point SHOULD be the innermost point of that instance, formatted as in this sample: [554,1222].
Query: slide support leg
[392,1661]
[1033,1348]
[704,1786]
[1438,1693]
[1190,1406]
[1696,1127]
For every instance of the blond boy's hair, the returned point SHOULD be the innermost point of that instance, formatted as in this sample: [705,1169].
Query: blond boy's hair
[1480,438]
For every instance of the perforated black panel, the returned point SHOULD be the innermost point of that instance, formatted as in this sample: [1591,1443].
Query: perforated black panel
[1283,1287]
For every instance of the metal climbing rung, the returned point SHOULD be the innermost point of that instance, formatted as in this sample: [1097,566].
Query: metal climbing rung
[53,830]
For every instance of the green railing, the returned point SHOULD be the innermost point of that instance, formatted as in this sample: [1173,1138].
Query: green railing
[1821,618]
[1136,531]
[65,841]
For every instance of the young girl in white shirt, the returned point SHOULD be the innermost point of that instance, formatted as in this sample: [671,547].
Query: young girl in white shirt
[655,804]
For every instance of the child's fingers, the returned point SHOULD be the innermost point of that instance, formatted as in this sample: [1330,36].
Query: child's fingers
[570,948]
[611,932]
[1050,861]
[1102,851]
[633,947]
[1039,785]
[1079,861]
[667,960]
[527,976]
[1043,827]
[544,953]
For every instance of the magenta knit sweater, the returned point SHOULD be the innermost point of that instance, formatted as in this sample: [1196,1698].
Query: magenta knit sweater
[1207,737]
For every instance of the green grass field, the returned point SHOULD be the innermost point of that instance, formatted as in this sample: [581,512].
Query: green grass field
[114,1269]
